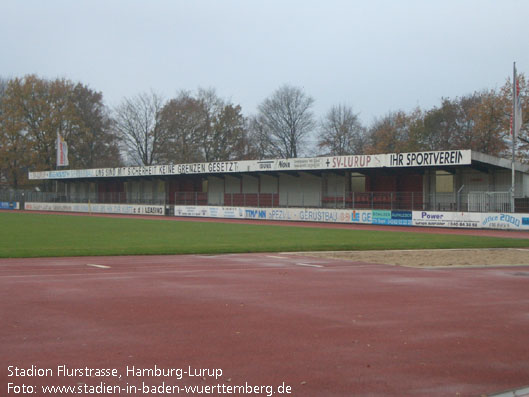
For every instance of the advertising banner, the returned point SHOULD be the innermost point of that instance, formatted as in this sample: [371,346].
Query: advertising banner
[374,217]
[505,221]
[209,211]
[9,205]
[416,159]
[447,219]
[288,214]
[482,220]
[129,209]
[386,217]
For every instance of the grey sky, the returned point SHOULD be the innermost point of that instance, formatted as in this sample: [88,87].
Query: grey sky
[376,56]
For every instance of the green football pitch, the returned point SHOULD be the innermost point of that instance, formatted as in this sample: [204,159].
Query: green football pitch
[40,235]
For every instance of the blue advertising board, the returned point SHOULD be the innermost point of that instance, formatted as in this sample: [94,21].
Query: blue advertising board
[8,205]
[386,217]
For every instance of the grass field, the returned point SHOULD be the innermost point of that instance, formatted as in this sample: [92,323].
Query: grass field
[36,235]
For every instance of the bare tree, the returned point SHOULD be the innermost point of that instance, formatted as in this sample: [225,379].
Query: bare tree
[229,136]
[211,108]
[286,119]
[258,141]
[137,122]
[14,153]
[3,87]
[392,133]
[95,144]
[203,128]
[341,132]
[223,134]
[182,123]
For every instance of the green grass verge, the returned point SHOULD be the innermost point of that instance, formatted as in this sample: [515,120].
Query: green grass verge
[36,235]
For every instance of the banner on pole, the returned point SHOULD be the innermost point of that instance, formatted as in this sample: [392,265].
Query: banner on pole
[62,152]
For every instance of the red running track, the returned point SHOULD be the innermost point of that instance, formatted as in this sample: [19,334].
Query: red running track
[324,327]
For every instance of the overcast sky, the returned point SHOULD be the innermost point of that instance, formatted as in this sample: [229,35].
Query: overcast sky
[376,56]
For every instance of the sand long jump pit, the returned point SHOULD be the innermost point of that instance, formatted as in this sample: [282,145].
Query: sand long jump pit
[436,258]
[266,324]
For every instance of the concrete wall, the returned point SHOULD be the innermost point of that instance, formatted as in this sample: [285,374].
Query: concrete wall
[494,181]
[232,184]
[159,191]
[524,190]
[148,191]
[335,185]
[472,181]
[269,184]
[250,184]
[215,190]
[476,181]
[82,190]
[301,191]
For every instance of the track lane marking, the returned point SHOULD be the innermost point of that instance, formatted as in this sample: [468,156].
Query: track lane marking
[98,266]
[524,391]
[137,274]
[307,264]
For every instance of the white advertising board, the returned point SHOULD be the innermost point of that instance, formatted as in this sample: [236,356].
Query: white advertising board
[377,217]
[467,220]
[129,209]
[505,221]
[482,220]
[280,214]
[209,211]
[416,159]
[447,219]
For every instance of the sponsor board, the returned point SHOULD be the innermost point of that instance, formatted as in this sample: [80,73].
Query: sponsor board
[447,219]
[482,220]
[376,217]
[255,213]
[505,221]
[279,214]
[381,217]
[362,216]
[191,211]
[416,159]
[9,205]
[129,209]
[431,218]
[397,218]
[321,215]
[209,212]
[292,214]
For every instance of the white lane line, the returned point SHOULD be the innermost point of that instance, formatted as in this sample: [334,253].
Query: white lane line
[98,266]
[524,391]
[134,274]
[307,264]
[277,257]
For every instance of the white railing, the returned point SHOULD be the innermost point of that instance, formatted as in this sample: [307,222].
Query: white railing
[489,202]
